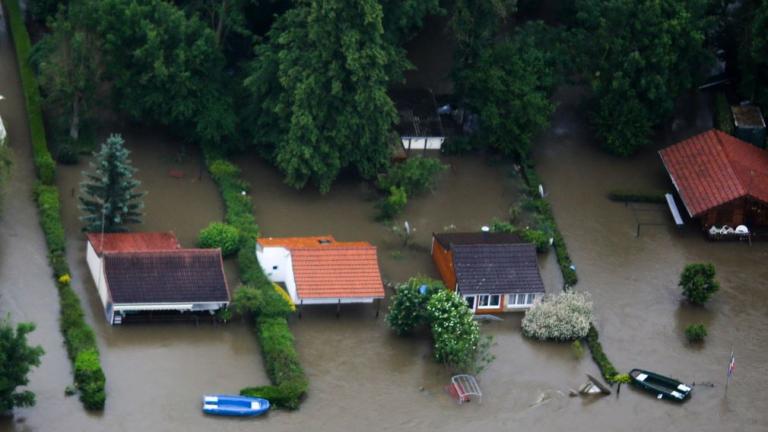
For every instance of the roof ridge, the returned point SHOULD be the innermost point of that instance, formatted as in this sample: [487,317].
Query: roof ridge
[721,145]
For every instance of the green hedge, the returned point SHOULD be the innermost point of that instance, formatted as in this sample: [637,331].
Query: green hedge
[627,195]
[78,336]
[596,348]
[723,117]
[275,338]
[547,218]
[46,167]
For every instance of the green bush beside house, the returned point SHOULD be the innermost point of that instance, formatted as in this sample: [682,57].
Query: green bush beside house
[78,335]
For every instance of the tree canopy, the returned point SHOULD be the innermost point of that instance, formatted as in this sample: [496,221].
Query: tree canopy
[639,56]
[17,358]
[318,92]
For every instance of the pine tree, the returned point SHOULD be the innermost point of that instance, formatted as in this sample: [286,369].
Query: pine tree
[107,195]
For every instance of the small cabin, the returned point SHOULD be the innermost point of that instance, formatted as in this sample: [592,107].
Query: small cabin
[321,270]
[494,272]
[749,124]
[147,273]
[420,126]
[720,179]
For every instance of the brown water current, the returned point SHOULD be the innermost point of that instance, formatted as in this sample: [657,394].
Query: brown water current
[362,377]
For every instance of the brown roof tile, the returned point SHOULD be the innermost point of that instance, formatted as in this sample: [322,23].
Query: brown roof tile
[173,276]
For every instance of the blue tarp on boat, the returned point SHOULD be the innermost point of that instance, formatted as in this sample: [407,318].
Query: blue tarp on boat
[228,405]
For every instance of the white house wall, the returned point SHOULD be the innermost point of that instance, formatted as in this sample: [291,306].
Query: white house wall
[422,143]
[96,266]
[271,257]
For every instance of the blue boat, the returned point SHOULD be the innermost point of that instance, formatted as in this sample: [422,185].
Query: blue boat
[227,405]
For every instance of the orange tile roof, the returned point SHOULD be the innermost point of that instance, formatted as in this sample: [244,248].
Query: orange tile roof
[713,168]
[325,241]
[133,242]
[337,272]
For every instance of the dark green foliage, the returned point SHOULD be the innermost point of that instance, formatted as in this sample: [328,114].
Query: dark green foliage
[69,66]
[695,333]
[90,379]
[415,175]
[107,195]
[639,56]
[750,26]
[220,235]
[642,196]
[547,219]
[50,218]
[475,25]
[258,298]
[723,117]
[538,237]
[403,18]
[317,92]
[47,198]
[17,358]
[596,348]
[164,67]
[393,204]
[44,164]
[41,10]
[698,282]
[456,334]
[509,86]
[408,307]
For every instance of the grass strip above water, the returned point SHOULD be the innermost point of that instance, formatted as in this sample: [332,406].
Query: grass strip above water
[289,382]
[79,337]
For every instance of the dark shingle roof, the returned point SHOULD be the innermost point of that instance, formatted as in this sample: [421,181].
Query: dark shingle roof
[497,268]
[475,238]
[175,276]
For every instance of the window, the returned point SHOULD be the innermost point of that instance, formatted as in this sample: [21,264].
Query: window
[529,298]
[470,301]
[488,301]
[520,299]
[274,267]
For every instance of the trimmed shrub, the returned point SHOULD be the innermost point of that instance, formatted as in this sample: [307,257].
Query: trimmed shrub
[415,175]
[261,302]
[50,217]
[539,238]
[626,195]
[282,361]
[220,235]
[393,204]
[90,379]
[596,348]
[562,317]
[44,164]
[698,283]
[695,333]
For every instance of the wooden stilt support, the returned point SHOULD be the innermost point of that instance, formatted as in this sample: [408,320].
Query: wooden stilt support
[338,309]
[378,305]
[301,303]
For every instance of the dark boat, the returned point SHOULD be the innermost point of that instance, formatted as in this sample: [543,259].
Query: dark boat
[659,385]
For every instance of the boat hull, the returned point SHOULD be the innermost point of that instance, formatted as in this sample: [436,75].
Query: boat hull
[660,386]
[234,406]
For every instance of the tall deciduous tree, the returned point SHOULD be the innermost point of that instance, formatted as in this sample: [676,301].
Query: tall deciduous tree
[108,196]
[164,67]
[753,50]
[17,358]
[639,56]
[317,91]
[509,86]
[69,65]
[475,24]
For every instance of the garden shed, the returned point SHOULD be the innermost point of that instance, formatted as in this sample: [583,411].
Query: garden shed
[321,270]
[721,179]
[141,273]
[420,126]
[749,124]
[494,272]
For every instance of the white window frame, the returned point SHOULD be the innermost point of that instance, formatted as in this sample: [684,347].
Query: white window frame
[474,301]
[489,305]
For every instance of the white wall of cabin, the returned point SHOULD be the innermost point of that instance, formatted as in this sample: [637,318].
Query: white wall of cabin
[96,266]
[280,257]
[420,142]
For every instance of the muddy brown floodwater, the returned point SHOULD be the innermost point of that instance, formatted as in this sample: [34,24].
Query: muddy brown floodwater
[362,376]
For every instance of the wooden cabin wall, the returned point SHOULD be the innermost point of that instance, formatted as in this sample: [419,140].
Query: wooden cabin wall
[444,262]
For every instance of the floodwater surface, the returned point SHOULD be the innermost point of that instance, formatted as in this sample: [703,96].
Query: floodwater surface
[361,375]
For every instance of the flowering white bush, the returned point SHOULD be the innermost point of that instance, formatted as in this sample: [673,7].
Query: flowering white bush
[455,333]
[559,317]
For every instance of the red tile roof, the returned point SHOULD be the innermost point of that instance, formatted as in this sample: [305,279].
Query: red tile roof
[324,241]
[171,276]
[713,168]
[337,272]
[133,242]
